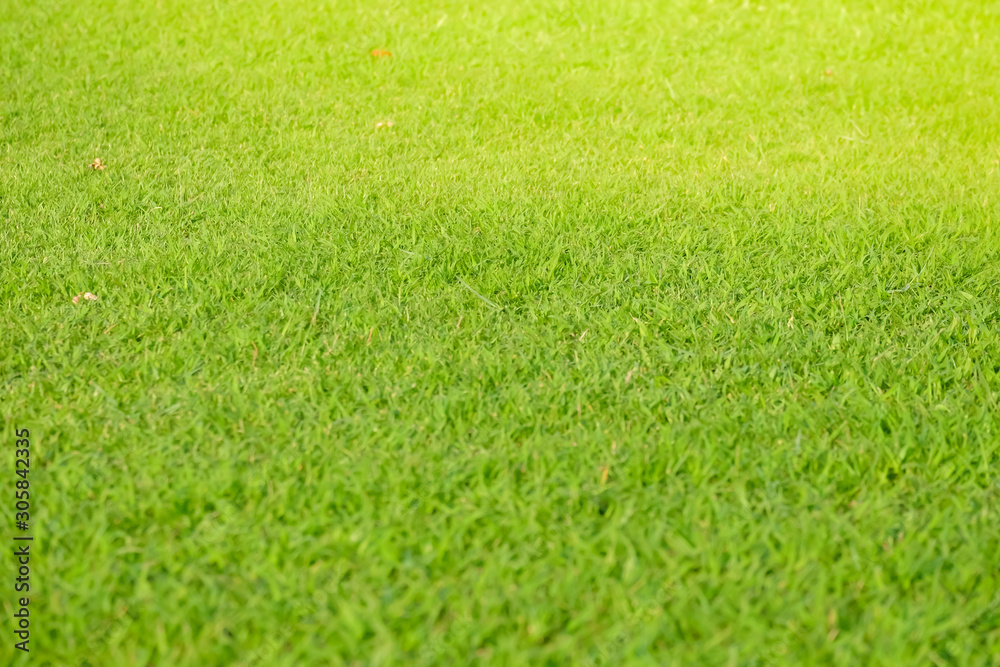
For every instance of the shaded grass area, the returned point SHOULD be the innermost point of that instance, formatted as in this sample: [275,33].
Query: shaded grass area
[649,333]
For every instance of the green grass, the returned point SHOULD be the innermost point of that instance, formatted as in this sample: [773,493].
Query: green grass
[649,333]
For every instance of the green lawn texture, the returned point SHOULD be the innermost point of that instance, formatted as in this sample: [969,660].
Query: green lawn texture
[648,333]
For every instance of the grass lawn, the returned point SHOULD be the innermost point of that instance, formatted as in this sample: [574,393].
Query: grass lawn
[618,333]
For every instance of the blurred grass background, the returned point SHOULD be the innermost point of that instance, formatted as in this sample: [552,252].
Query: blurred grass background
[648,333]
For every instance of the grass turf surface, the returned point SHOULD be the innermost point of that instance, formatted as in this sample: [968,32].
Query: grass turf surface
[648,333]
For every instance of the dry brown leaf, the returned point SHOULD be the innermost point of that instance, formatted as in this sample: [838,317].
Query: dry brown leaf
[381,53]
[97,165]
[87,296]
